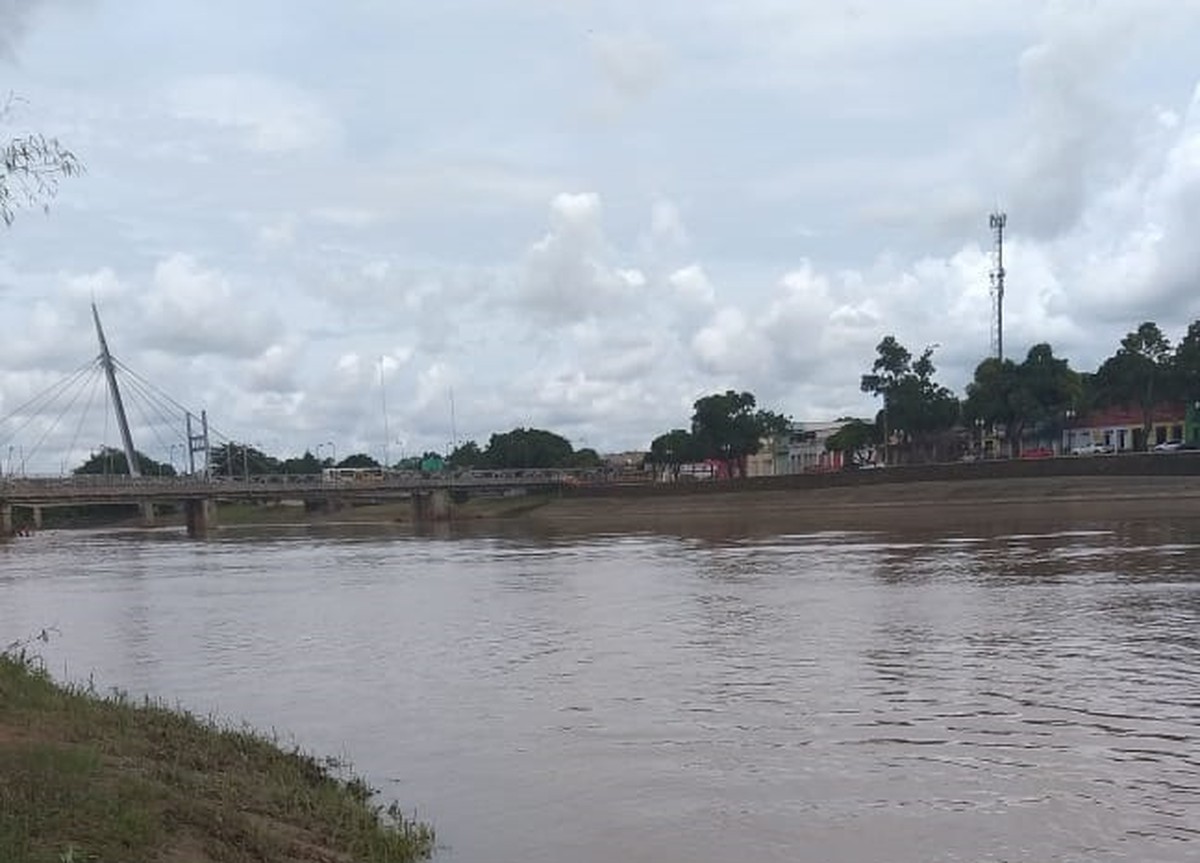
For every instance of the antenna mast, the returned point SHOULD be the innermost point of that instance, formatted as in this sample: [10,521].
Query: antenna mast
[110,372]
[997,221]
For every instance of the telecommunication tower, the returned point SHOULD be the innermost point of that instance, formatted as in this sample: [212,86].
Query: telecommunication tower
[998,221]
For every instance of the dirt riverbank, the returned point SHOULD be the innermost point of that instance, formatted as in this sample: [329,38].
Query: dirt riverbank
[1020,503]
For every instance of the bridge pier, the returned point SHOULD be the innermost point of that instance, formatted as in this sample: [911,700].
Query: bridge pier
[200,515]
[432,505]
[148,513]
[6,519]
[37,517]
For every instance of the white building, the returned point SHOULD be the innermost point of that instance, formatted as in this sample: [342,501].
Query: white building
[800,450]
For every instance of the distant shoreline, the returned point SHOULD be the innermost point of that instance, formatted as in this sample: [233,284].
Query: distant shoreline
[1026,495]
[931,505]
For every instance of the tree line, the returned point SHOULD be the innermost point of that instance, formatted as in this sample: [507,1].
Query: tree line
[1030,400]
[516,449]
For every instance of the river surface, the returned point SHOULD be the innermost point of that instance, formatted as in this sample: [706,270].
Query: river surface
[588,699]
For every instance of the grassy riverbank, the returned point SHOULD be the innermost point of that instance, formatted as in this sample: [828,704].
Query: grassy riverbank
[92,778]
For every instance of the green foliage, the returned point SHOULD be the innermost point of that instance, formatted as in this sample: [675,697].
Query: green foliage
[915,407]
[1185,377]
[358,459]
[30,169]
[465,456]
[528,448]
[110,461]
[587,458]
[726,426]
[855,436]
[675,448]
[306,465]
[239,459]
[1035,395]
[1140,373]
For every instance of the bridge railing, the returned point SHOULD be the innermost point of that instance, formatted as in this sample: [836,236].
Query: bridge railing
[129,486]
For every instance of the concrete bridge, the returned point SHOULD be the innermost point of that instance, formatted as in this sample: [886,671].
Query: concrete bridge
[432,496]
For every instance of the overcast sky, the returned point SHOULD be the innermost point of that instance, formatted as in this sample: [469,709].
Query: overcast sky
[580,215]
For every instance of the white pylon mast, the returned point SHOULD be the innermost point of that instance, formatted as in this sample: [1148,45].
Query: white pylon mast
[998,221]
[106,361]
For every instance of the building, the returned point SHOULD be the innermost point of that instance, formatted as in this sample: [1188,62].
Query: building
[1119,429]
[800,450]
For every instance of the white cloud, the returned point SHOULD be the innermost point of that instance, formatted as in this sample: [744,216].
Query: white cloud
[15,17]
[567,274]
[835,164]
[189,310]
[632,65]
[271,116]
[692,287]
[280,234]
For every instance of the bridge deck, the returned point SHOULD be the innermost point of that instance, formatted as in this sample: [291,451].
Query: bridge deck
[79,490]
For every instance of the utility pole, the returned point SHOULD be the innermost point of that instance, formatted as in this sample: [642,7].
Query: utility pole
[387,435]
[997,221]
[110,372]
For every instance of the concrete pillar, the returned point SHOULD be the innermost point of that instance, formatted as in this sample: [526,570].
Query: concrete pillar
[6,519]
[432,505]
[37,517]
[200,515]
[147,508]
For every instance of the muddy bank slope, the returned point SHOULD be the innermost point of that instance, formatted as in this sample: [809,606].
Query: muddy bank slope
[840,503]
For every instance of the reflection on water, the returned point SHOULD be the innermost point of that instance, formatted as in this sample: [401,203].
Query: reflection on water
[831,696]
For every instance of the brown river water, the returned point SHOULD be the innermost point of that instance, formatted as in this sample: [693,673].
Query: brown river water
[875,697]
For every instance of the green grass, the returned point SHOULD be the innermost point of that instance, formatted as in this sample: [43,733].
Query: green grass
[92,778]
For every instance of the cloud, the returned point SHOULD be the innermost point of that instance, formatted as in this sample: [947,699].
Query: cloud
[632,65]
[270,116]
[15,17]
[567,274]
[189,310]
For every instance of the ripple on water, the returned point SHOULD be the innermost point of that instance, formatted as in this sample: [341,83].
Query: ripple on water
[833,696]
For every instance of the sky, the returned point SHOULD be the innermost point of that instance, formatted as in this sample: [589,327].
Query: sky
[385,226]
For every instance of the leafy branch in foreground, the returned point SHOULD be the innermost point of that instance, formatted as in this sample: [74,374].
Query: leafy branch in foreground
[30,169]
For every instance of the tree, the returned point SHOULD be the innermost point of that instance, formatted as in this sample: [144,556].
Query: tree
[915,408]
[1185,365]
[1048,389]
[241,459]
[1035,395]
[727,427]
[673,449]
[110,461]
[465,456]
[528,448]
[30,169]
[587,459]
[852,439]
[1139,373]
[991,396]
[306,465]
[358,459]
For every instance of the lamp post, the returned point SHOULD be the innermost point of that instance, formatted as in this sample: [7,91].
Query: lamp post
[1069,435]
[979,437]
